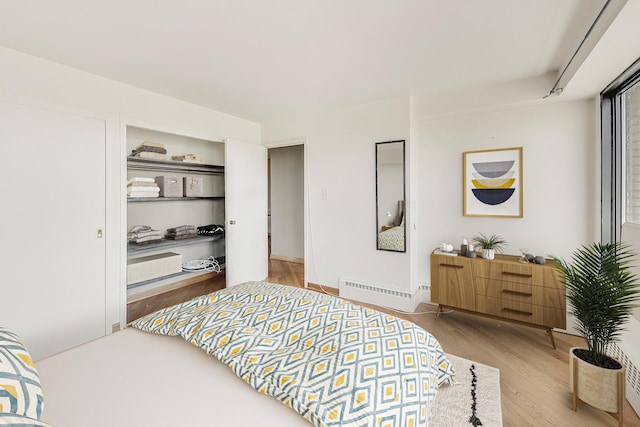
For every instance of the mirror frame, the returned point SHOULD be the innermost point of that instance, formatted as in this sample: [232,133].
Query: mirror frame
[404,197]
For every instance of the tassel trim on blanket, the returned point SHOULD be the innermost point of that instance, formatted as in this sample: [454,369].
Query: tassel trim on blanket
[473,419]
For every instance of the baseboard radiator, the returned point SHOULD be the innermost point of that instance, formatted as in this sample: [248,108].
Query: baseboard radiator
[632,385]
[376,294]
[627,351]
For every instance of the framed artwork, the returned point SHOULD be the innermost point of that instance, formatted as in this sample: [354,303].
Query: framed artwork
[493,183]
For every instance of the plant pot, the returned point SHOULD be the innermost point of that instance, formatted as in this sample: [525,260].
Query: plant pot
[599,387]
[488,253]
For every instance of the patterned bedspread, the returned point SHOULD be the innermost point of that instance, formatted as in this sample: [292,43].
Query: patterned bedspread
[335,363]
[392,239]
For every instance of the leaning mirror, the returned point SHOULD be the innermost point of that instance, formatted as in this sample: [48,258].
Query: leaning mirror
[390,210]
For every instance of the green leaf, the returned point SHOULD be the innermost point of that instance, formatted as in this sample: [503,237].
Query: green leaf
[601,290]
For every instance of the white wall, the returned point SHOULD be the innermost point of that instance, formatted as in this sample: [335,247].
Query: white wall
[33,80]
[341,153]
[561,148]
[31,76]
[287,201]
[561,177]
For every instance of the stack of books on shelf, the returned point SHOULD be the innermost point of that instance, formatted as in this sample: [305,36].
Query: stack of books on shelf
[150,150]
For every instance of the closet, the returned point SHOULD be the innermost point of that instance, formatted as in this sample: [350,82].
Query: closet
[199,202]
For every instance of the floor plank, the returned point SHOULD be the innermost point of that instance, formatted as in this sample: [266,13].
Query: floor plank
[533,376]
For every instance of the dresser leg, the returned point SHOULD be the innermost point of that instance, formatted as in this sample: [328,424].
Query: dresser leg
[438,311]
[553,342]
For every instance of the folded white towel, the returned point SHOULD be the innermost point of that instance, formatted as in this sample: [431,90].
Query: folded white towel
[138,228]
[142,184]
[132,235]
[135,189]
[143,194]
[141,179]
[146,239]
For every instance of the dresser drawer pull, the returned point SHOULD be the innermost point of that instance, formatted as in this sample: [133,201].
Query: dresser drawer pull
[451,265]
[524,294]
[509,273]
[511,310]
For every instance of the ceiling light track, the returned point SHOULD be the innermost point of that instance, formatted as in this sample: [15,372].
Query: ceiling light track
[598,27]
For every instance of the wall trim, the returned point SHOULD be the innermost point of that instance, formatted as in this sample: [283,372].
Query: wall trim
[307,230]
[287,259]
[321,288]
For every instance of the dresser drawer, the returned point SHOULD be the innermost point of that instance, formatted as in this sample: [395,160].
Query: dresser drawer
[509,309]
[509,272]
[522,311]
[505,290]
[550,317]
[550,278]
[549,297]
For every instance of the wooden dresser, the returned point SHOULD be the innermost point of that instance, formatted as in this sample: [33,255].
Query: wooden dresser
[503,288]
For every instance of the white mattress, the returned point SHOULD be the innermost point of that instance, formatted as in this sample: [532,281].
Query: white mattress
[133,378]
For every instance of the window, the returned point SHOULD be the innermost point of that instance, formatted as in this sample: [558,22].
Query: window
[631,136]
[621,153]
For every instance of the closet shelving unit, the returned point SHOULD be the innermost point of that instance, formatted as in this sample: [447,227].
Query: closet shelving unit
[178,285]
[137,163]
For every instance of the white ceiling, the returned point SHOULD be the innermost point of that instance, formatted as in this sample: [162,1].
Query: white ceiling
[261,59]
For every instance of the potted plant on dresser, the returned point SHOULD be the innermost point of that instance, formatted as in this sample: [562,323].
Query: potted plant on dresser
[489,245]
[602,293]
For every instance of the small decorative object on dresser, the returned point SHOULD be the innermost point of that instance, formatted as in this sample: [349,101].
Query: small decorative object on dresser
[602,293]
[489,245]
[504,289]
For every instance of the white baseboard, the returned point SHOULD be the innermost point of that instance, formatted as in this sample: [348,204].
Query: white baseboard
[287,259]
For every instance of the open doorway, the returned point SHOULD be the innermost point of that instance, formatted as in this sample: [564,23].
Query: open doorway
[286,221]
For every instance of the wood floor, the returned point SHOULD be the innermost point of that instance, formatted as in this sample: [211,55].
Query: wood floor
[533,376]
[286,273]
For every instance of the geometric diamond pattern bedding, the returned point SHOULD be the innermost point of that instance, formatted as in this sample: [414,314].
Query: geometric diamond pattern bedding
[20,391]
[334,362]
[15,420]
[392,239]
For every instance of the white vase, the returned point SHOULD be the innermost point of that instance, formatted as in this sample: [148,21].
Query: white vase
[488,253]
[599,387]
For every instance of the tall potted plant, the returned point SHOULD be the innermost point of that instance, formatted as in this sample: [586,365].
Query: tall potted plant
[489,245]
[602,293]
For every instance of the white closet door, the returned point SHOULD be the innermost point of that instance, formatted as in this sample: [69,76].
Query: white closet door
[245,212]
[52,262]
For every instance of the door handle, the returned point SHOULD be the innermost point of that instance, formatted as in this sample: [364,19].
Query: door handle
[99,234]
[232,222]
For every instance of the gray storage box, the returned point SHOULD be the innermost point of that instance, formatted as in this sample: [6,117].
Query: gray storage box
[170,186]
[192,186]
[153,267]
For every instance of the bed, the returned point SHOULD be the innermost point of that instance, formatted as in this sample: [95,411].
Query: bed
[392,239]
[329,361]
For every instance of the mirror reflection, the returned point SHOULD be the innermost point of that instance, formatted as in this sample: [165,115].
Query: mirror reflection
[390,195]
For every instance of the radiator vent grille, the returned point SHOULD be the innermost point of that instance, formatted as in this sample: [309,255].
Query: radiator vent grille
[377,289]
[632,373]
